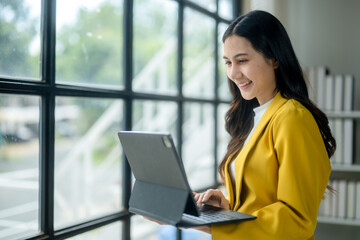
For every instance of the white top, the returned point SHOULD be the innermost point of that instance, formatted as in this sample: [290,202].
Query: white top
[259,112]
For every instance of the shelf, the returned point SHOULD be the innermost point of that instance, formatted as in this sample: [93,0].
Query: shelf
[345,168]
[348,172]
[343,114]
[339,221]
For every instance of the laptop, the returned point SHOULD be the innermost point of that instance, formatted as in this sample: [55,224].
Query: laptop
[161,190]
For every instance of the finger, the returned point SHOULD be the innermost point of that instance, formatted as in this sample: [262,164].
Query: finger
[209,195]
[196,196]
[204,198]
[199,201]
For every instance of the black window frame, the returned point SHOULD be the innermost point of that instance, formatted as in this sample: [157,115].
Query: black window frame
[47,89]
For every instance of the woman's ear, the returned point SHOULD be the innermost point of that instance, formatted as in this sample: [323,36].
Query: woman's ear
[275,63]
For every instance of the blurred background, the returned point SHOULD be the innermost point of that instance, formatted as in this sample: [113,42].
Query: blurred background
[74,73]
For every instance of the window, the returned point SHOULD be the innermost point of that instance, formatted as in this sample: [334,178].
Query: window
[89,42]
[19,171]
[20,39]
[73,74]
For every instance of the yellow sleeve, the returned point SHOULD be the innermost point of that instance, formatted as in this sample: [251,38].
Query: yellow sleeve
[303,174]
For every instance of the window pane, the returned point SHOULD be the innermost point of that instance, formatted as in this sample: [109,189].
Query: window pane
[224,92]
[155,46]
[198,77]
[225,9]
[20,38]
[87,158]
[108,232]
[142,229]
[192,234]
[19,166]
[198,144]
[155,116]
[89,42]
[208,4]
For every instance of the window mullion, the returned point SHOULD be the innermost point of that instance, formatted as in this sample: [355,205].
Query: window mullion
[127,76]
[47,116]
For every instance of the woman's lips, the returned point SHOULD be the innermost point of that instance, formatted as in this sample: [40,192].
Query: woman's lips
[244,85]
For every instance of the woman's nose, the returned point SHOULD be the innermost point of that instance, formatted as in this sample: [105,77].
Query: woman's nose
[234,73]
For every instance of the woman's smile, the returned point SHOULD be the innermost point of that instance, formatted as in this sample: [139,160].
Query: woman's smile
[244,85]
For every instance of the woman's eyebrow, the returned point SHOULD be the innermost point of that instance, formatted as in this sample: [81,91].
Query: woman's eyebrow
[237,55]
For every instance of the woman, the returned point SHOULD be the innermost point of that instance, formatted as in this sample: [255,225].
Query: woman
[277,162]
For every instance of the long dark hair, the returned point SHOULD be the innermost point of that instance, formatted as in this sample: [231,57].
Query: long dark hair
[268,36]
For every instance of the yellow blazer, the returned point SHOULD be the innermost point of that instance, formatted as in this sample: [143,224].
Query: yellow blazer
[281,176]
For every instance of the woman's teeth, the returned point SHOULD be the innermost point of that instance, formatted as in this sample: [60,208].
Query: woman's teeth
[244,84]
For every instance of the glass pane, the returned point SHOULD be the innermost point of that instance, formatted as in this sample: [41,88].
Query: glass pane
[87,158]
[155,46]
[198,144]
[89,42]
[19,166]
[142,229]
[225,9]
[199,65]
[20,38]
[155,116]
[108,232]
[192,234]
[223,91]
[208,4]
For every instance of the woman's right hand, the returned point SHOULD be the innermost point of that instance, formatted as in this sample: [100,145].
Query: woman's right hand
[213,197]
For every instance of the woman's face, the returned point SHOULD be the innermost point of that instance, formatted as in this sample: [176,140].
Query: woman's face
[249,70]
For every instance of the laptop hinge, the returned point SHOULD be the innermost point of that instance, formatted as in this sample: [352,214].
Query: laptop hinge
[190,207]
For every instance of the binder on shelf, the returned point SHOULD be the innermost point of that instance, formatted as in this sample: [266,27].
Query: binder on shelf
[321,211]
[342,194]
[335,199]
[329,94]
[348,123]
[326,203]
[338,128]
[351,200]
[357,205]
[329,101]
[312,86]
[321,73]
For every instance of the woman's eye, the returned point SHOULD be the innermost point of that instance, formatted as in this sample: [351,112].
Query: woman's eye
[227,63]
[242,60]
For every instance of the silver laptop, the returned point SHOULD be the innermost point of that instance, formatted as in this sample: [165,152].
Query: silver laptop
[161,190]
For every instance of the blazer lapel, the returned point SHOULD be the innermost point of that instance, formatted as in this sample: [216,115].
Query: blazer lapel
[241,158]
[228,183]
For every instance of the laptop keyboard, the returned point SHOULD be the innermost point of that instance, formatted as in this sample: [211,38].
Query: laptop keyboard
[207,217]
[210,216]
